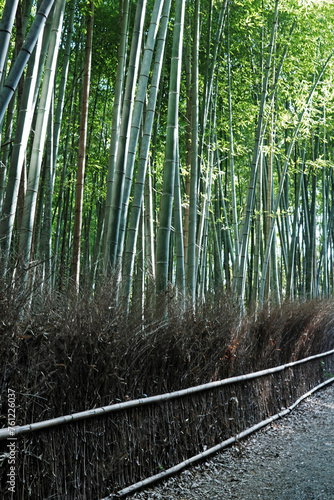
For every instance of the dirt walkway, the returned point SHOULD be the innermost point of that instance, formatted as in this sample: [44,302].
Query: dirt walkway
[291,459]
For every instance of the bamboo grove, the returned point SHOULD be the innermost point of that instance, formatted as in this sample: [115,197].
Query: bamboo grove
[185,145]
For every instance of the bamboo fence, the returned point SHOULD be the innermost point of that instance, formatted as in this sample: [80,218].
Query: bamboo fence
[100,452]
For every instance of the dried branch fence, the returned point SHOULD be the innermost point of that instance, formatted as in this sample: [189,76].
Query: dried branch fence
[100,452]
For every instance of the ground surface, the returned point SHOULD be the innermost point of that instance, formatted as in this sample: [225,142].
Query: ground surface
[291,459]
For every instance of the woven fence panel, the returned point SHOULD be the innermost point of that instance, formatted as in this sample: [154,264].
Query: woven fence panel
[93,458]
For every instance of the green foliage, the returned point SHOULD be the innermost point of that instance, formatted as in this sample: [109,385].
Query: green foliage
[248,27]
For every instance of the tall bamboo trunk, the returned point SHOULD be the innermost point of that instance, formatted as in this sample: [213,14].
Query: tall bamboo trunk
[75,263]
[26,233]
[240,271]
[23,57]
[18,156]
[116,120]
[165,218]
[192,227]
[132,234]
[6,25]
[110,257]
[137,120]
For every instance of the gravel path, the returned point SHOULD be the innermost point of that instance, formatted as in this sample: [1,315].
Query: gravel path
[291,459]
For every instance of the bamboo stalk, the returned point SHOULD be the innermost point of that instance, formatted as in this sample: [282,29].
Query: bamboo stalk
[23,56]
[17,430]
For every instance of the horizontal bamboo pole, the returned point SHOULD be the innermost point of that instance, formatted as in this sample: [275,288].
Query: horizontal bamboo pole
[182,465]
[95,412]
